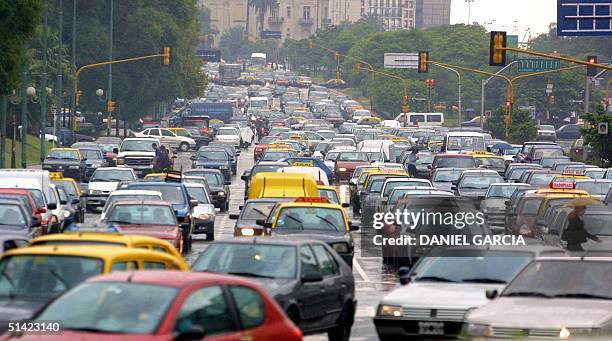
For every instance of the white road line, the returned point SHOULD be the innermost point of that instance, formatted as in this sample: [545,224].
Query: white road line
[359,269]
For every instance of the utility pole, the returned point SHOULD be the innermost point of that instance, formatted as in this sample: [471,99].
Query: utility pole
[60,56]
[110,66]
[587,94]
[24,108]
[73,99]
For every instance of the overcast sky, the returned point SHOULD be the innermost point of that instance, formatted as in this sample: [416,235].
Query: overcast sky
[501,15]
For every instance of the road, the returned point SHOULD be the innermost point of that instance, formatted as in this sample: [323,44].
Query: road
[372,280]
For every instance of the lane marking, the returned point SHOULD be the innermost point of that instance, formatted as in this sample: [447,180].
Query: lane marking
[359,269]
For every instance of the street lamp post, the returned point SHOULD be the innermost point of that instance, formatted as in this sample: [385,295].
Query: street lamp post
[110,66]
[104,99]
[459,91]
[469,2]
[3,112]
[43,95]
[482,92]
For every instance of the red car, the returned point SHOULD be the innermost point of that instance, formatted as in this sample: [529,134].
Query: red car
[444,160]
[167,305]
[262,145]
[153,218]
[346,162]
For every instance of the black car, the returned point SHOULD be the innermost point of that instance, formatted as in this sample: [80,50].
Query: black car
[308,279]
[94,157]
[253,210]
[218,185]
[67,161]
[569,132]
[231,150]
[213,158]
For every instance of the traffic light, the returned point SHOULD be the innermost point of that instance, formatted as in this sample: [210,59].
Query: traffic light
[508,105]
[358,68]
[166,56]
[592,70]
[497,56]
[405,99]
[78,97]
[431,83]
[423,61]
[110,106]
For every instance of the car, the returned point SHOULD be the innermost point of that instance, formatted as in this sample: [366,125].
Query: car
[346,162]
[229,135]
[103,181]
[250,212]
[231,150]
[176,194]
[196,306]
[94,158]
[218,186]
[213,158]
[35,275]
[569,132]
[263,166]
[192,133]
[550,284]
[15,219]
[536,153]
[310,162]
[331,193]
[68,161]
[443,178]
[169,138]
[153,218]
[447,283]
[123,194]
[494,204]
[475,183]
[138,154]
[307,278]
[445,160]
[546,132]
[204,212]
[596,187]
[27,201]
[278,154]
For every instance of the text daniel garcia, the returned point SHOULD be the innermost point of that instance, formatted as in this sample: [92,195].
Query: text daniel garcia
[450,240]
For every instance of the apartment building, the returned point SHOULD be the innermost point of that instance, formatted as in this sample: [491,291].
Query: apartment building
[432,13]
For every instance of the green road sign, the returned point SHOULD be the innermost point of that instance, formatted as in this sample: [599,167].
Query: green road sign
[538,64]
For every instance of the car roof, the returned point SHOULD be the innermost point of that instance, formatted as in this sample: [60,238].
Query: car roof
[100,251]
[171,278]
[143,202]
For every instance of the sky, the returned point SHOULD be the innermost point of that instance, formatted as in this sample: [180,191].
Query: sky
[512,16]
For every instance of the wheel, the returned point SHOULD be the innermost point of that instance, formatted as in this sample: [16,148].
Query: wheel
[345,322]
[184,146]
[210,236]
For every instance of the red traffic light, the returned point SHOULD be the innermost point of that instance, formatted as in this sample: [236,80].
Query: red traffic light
[508,104]
[430,83]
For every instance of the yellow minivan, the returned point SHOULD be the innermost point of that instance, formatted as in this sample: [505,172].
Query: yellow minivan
[282,185]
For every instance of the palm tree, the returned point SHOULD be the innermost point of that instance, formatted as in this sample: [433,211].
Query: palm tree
[261,8]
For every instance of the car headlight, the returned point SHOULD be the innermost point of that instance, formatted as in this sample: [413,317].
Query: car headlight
[120,162]
[342,169]
[341,247]
[247,232]
[95,165]
[221,194]
[389,310]
[94,191]
[204,216]
[473,329]
[66,214]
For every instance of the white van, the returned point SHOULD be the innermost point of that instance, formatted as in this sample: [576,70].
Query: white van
[421,119]
[383,146]
[464,141]
[317,173]
[259,102]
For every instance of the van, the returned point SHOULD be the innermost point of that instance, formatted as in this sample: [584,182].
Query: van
[282,185]
[421,119]
[383,146]
[35,180]
[463,141]
[317,173]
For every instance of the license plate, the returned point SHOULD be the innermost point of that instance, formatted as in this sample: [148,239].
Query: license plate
[303,164]
[431,328]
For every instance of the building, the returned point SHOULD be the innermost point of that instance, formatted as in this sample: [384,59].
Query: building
[431,13]
[394,14]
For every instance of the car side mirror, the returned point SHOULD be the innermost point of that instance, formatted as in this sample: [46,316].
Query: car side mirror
[312,276]
[234,216]
[193,203]
[192,158]
[345,204]
[244,177]
[52,206]
[491,294]
[194,332]
[260,222]
[353,226]
[453,187]
[404,274]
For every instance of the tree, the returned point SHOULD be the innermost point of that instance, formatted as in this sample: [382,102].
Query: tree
[261,8]
[602,144]
[522,127]
[18,22]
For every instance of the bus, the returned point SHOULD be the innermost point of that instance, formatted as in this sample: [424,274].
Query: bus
[259,60]
[421,119]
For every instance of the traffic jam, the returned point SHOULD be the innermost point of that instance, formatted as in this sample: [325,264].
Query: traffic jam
[274,208]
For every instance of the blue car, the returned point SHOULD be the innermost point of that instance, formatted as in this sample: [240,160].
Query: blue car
[177,194]
[310,162]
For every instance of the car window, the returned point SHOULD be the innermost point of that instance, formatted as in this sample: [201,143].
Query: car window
[308,260]
[250,306]
[154,132]
[329,267]
[205,308]
[154,266]
[124,266]
[167,133]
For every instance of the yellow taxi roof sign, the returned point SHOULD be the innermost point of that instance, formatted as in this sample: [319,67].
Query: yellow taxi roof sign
[56,175]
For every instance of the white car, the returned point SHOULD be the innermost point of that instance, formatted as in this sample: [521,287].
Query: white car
[128,194]
[103,182]
[229,135]
[169,138]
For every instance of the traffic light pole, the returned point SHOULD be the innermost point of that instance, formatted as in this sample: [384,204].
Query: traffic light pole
[554,56]
[459,91]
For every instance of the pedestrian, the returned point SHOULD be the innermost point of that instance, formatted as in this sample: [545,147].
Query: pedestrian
[155,148]
[163,161]
[412,160]
[575,234]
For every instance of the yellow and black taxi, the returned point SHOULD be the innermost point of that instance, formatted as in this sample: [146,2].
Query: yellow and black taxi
[34,275]
[68,161]
[489,161]
[313,218]
[74,206]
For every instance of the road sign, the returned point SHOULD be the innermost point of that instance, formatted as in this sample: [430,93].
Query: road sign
[549,88]
[584,17]
[209,55]
[271,34]
[401,60]
[538,64]
[602,128]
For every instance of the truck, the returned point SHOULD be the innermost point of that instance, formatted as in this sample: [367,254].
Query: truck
[229,73]
[259,59]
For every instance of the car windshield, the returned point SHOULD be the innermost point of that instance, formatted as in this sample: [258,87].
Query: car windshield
[468,143]
[540,153]
[491,162]
[63,154]
[504,191]
[594,188]
[375,156]
[564,279]
[257,210]
[598,223]
[471,266]
[393,184]
[108,147]
[542,179]
[91,154]
[425,159]
[530,206]
[112,175]
[212,179]
[310,218]
[516,173]
[275,156]
[212,155]
[455,162]
[550,161]
[68,186]
[546,127]
[123,197]
[252,260]
[265,168]
[12,215]
[446,175]
[227,132]
[199,194]
[479,181]
[181,132]
[330,195]
[172,194]
[137,146]
[112,307]
[44,275]
[141,214]
[353,157]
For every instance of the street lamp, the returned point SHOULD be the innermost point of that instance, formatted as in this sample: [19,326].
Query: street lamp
[99,93]
[27,94]
[469,2]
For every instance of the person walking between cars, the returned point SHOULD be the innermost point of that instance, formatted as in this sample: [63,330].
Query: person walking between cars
[162,162]
[575,234]
[412,160]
